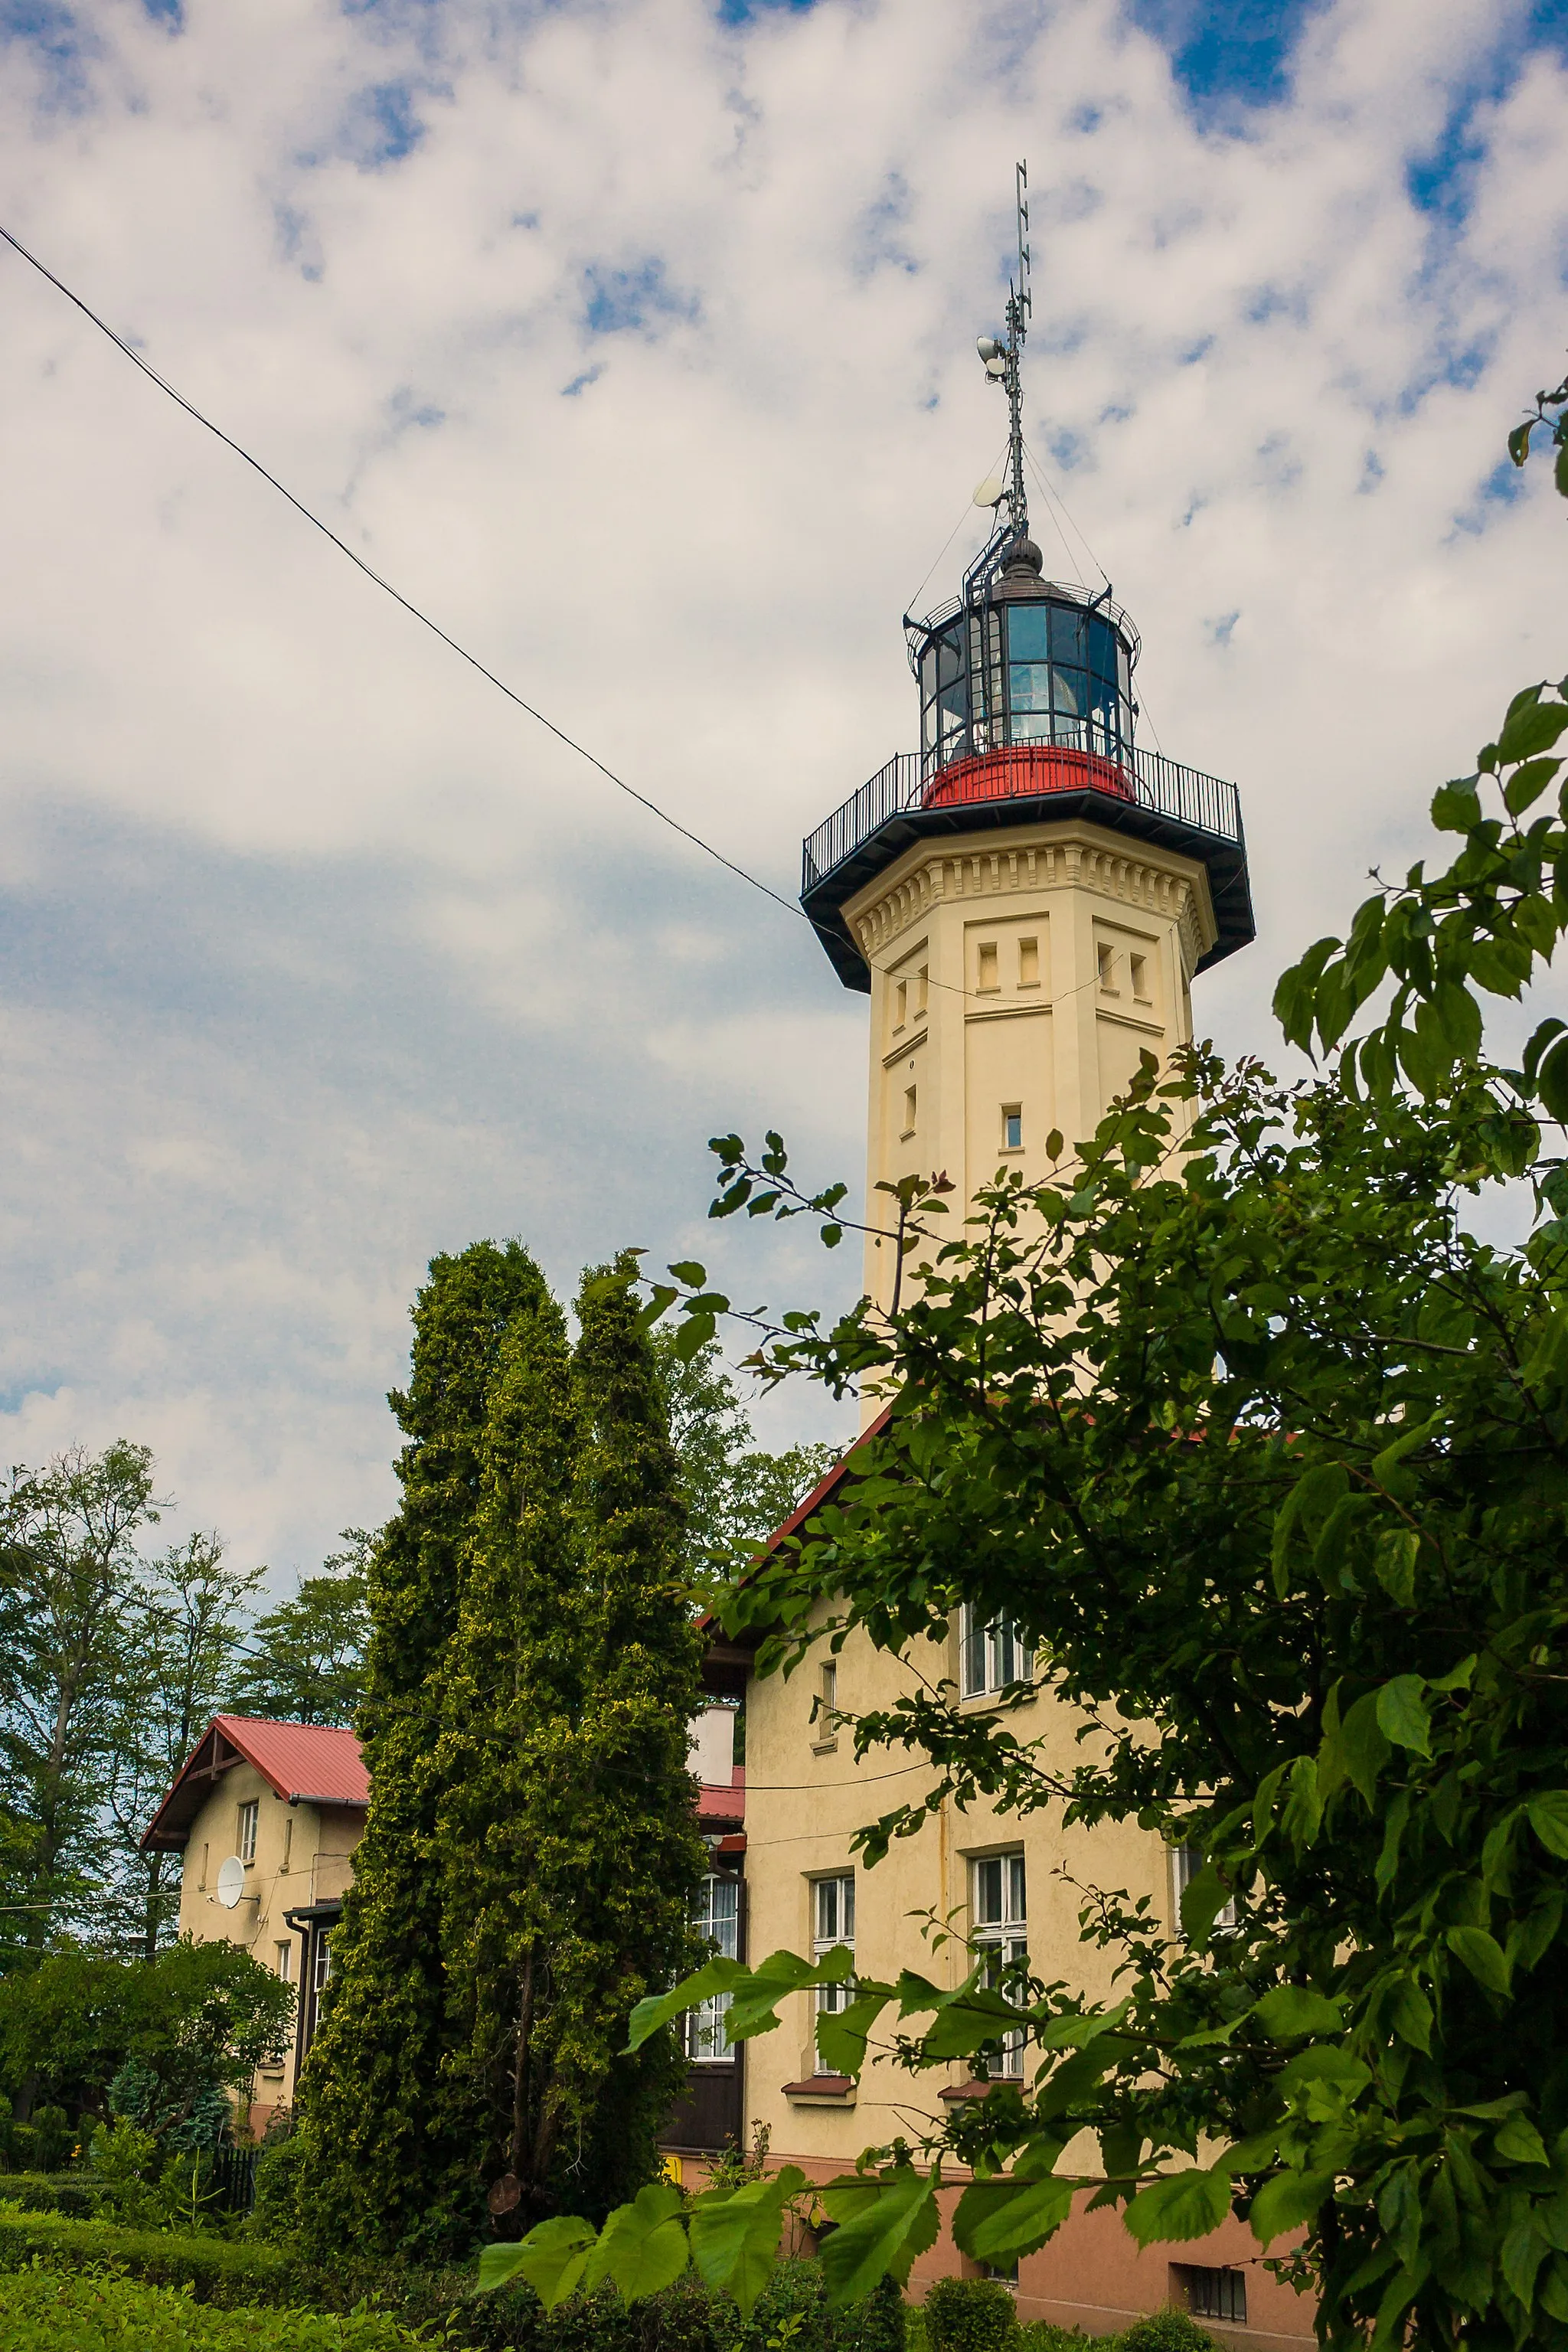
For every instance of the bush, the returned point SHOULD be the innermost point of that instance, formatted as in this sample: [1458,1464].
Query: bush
[75,2193]
[971,2314]
[1045,2335]
[1167,2331]
[214,2270]
[273,2215]
[85,2310]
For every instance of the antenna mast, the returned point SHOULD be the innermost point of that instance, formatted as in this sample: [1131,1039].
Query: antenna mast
[1020,306]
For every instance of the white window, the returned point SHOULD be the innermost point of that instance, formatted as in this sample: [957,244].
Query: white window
[1186,1860]
[1012,1128]
[323,1966]
[247,1818]
[717,1915]
[832,1923]
[824,1714]
[992,1654]
[999,1932]
[285,1962]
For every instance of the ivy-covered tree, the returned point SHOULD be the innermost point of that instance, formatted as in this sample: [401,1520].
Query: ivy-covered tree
[530,1853]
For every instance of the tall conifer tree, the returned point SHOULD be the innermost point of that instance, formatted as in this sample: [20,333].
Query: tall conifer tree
[532,1851]
[372,2171]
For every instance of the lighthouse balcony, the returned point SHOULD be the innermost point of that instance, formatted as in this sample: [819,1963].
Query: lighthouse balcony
[1127,790]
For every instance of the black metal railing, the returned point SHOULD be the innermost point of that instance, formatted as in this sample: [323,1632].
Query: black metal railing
[1164,786]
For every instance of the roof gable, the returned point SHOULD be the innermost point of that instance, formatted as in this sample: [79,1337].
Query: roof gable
[303,1763]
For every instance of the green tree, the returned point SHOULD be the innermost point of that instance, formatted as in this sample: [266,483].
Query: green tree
[1268,1453]
[185,1631]
[371,2171]
[304,1662]
[735,1492]
[70,1581]
[200,2018]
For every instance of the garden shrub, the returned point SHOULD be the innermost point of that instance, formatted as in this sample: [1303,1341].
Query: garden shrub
[972,2315]
[78,2194]
[277,2174]
[91,2311]
[1167,2331]
[1045,2335]
[214,2270]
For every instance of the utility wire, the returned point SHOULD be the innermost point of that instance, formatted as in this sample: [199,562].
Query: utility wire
[396,593]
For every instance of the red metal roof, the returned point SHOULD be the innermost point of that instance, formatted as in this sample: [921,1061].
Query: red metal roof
[306,1763]
[303,1760]
[717,1803]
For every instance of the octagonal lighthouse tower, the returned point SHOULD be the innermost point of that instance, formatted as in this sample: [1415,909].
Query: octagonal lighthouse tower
[1028,897]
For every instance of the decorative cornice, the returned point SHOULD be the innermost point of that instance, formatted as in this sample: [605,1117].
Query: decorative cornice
[1043,858]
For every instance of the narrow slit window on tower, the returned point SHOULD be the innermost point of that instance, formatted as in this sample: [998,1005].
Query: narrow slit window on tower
[910,1105]
[1105,958]
[1028,963]
[1139,970]
[1012,1126]
[900,1004]
[987,978]
[922,979]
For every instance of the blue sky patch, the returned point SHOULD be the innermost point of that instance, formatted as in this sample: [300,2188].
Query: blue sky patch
[61,46]
[746,12]
[633,301]
[1226,53]
[380,126]
[579,384]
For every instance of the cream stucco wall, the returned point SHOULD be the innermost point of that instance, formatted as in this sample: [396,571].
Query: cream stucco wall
[1025,970]
[303,1856]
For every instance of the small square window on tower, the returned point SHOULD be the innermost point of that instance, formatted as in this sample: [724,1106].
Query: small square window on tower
[987,978]
[1028,963]
[1012,1126]
[910,1105]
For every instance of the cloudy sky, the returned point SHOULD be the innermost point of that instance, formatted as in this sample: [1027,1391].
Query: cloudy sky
[635,340]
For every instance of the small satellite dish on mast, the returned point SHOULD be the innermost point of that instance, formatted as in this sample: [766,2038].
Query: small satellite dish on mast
[230,1881]
[991,492]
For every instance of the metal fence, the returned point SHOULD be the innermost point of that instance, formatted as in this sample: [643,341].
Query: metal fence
[1206,803]
[234,2177]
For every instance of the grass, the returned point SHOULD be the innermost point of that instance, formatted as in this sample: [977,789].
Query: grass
[87,2311]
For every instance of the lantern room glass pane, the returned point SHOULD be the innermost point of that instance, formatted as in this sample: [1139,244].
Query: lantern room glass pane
[1027,632]
[950,657]
[1102,648]
[1066,635]
[1028,686]
[1068,692]
[1032,727]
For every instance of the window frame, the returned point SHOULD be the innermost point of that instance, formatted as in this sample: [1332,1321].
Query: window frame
[830,1999]
[1005,1938]
[991,1645]
[702,2033]
[247,1830]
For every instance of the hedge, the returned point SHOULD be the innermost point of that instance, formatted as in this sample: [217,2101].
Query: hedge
[76,2193]
[84,2311]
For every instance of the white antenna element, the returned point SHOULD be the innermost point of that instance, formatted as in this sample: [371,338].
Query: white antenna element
[231,1882]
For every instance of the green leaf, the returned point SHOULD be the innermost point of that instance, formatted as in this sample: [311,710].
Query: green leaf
[883,2224]
[1521,2256]
[1482,1954]
[1291,2011]
[1076,2077]
[841,2033]
[1518,2142]
[1457,807]
[1548,1362]
[550,2259]
[1533,728]
[1547,1817]
[1366,1750]
[715,1976]
[1286,2201]
[1398,1548]
[1306,1506]
[1527,784]
[735,2233]
[997,2220]
[1204,1897]
[1402,1715]
[1182,2205]
[1410,2014]
[643,2246]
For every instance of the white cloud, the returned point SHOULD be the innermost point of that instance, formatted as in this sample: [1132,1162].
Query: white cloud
[319,957]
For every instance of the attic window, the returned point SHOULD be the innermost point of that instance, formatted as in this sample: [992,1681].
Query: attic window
[248,1816]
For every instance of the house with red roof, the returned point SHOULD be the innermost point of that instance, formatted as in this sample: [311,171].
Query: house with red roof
[268,1816]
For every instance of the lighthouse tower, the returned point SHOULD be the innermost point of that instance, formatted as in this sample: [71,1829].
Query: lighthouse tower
[1028,897]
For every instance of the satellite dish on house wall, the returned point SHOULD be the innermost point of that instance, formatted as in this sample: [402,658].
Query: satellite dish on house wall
[230,1881]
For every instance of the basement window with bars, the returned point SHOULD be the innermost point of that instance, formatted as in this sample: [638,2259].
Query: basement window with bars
[1211,2294]
[992,1654]
[832,1923]
[999,1932]
[716,1915]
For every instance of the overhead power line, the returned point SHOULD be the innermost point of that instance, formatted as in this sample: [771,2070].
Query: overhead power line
[396,594]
